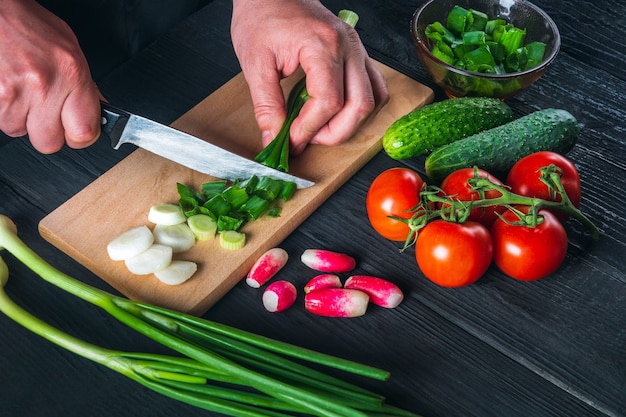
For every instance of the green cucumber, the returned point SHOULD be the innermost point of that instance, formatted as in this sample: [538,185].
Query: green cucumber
[443,122]
[499,148]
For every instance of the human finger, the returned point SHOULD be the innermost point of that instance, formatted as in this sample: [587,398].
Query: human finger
[80,116]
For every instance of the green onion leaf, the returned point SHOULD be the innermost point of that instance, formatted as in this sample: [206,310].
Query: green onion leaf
[458,19]
[255,206]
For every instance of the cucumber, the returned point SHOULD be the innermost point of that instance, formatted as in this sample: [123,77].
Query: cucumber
[497,149]
[441,123]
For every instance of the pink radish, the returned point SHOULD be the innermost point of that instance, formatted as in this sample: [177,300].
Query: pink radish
[381,292]
[322,281]
[336,302]
[279,296]
[266,267]
[327,261]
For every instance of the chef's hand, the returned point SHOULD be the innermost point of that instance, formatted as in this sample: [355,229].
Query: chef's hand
[272,38]
[46,89]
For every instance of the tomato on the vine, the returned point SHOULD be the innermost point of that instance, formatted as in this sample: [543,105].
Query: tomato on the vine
[524,177]
[453,254]
[528,253]
[393,193]
[456,185]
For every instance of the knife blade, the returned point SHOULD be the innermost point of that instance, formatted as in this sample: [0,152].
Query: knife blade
[123,127]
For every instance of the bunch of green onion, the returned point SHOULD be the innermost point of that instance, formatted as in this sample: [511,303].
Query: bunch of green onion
[218,368]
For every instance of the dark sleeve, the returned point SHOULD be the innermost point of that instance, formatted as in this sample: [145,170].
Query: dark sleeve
[111,31]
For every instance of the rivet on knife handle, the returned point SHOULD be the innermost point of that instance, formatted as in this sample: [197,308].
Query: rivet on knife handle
[113,122]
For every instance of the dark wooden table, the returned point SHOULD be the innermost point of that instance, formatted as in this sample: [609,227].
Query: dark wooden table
[500,347]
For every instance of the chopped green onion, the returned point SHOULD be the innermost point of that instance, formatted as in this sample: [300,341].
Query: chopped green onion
[185,192]
[438,32]
[458,19]
[235,196]
[251,184]
[232,240]
[212,188]
[288,190]
[497,51]
[474,38]
[232,221]
[231,206]
[189,205]
[479,21]
[535,52]
[516,61]
[218,205]
[495,26]
[442,51]
[274,212]
[480,60]
[512,39]
[202,226]
[255,206]
[269,188]
[472,41]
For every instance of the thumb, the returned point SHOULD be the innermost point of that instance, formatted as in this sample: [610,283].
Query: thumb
[268,101]
[80,116]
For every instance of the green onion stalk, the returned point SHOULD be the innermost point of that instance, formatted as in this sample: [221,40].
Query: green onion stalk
[434,204]
[276,153]
[218,368]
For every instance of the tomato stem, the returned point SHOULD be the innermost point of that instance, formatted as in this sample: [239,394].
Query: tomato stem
[451,209]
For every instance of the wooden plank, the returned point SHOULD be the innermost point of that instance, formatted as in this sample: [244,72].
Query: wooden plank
[120,199]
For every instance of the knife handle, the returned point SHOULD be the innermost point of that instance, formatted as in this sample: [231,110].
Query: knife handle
[113,121]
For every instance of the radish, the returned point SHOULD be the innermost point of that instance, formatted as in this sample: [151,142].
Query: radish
[322,281]
[279,296]
[327,261]
[336,302]
[381,292]
[266,267]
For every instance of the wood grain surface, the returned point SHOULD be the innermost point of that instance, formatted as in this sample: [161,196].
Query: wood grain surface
[142,179]
[551,348]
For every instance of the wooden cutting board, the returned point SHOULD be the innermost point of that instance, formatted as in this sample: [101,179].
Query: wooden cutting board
[120,199]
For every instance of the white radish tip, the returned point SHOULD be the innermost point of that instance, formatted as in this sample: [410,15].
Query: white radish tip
[279,296]
[253,283]
[337,302]
[381,292]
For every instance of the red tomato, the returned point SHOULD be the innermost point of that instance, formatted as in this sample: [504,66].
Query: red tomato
[393,193]
[524,180]
[456,185]
[528,253]
[453,254]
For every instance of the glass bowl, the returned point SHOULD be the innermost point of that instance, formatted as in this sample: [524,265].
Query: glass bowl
[458,82]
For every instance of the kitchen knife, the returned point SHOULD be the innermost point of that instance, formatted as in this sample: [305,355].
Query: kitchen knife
[123,127]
